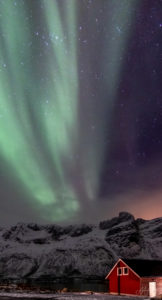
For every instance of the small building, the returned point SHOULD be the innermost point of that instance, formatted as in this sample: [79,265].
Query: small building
[136,277]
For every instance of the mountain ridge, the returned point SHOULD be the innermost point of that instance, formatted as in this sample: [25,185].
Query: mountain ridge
[29,250]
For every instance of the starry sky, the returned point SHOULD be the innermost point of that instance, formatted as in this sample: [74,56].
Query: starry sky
[80,110]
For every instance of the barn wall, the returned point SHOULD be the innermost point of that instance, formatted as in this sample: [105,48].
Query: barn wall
[159,285]
[144,290]
[145,285]
[124,284]
[113,281]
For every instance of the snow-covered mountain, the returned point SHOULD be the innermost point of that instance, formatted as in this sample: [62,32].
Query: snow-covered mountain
[34,251]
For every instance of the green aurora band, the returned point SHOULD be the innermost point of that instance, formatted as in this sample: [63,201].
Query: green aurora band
[53,105]
[39,88]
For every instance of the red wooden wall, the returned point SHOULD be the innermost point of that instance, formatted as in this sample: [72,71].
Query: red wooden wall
[145,285]
[124,284]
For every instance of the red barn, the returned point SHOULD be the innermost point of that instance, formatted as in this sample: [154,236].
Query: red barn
[136,277]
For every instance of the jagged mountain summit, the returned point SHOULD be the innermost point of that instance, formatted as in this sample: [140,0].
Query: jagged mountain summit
[52,251]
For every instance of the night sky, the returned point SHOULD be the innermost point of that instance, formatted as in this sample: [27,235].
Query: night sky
[80,110]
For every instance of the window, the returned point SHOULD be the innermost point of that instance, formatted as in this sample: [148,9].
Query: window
[122,271]
[125,271]
[119,271]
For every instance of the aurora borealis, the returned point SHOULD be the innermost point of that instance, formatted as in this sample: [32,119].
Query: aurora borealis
[80,109]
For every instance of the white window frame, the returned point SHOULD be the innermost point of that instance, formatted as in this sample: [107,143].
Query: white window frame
[121,269]
[125,274]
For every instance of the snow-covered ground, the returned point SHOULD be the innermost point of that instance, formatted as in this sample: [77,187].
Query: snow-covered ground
[50,251]
[68,296]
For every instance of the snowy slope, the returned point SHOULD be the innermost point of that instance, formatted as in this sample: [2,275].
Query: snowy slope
[32,251]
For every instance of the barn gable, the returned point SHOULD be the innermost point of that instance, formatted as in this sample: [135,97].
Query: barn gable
[124,264]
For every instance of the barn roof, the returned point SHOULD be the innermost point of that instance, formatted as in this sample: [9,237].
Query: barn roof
[145,268]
